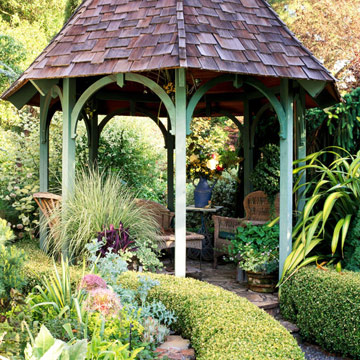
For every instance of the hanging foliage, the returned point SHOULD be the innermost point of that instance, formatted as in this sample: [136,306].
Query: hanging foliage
[336,126]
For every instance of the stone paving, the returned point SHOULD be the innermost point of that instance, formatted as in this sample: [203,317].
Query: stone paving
[225,276]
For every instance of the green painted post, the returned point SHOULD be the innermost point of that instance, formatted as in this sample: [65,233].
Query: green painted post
[68,155]
[94,140]
[286,160]
[170,169]
[180,173]
[247,152]
[44,164]
[300,114]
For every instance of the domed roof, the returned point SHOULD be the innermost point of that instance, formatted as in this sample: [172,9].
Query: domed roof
[117,36]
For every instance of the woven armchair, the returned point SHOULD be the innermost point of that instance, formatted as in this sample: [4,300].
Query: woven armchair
[48,203]
[163,216]
[257,211]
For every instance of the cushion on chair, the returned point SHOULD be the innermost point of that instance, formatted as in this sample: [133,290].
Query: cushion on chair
[226,235]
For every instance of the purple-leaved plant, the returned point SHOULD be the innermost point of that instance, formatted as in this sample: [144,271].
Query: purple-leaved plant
[115,240]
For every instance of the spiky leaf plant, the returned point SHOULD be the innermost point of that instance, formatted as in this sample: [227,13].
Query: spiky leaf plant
[332,198]
[98,201]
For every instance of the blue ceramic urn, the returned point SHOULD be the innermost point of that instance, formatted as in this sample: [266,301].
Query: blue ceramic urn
[202,193]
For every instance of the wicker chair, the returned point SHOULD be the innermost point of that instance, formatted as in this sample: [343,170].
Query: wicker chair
[164,217]
[257,211]
[48,203]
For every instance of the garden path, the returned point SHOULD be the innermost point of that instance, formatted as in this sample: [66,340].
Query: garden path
[225,277]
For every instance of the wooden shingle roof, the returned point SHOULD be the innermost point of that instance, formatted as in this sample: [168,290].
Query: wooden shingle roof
[117,36]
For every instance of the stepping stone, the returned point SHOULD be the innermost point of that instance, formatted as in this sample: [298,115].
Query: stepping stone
[175,342]
[292,328]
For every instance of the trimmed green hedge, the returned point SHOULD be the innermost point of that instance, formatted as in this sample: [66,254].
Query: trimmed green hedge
[220,324]
[325,305]
[38,264]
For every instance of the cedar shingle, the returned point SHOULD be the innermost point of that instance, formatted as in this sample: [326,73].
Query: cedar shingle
[241,36]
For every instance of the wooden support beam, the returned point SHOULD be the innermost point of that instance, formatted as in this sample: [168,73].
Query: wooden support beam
[44,164]
[286,169]
[301,145]
[180,173]
[246,143]
[94,141]
[170,169]
[44,85]
[68,155]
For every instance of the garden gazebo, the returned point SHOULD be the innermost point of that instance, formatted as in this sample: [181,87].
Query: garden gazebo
[213,57]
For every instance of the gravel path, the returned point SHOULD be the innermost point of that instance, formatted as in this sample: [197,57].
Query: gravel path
[313,352]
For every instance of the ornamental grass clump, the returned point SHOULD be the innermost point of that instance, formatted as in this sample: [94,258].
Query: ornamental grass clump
[98,201]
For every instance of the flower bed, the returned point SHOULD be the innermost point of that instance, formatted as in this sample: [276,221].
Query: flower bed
[220,325]
[325,306]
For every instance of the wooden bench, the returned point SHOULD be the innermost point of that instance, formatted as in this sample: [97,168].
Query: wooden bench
[163,216]
[257,211]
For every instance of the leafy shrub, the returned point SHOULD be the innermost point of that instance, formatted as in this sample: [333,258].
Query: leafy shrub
[97,202]
[38,265]
[325,306]
[225,192]
[11,275]
[256,248]
[19,162]
[266,174]
[352,248]
[133,149]
[6,233]
[220,324]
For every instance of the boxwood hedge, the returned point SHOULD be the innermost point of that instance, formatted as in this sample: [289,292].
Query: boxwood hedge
[325,305]
[220,324]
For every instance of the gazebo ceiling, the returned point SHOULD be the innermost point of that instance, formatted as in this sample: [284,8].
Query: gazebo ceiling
[205,36]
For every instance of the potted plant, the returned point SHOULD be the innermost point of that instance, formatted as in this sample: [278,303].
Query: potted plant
[256,250]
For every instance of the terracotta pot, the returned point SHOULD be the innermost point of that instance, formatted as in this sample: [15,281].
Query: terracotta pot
[260,282]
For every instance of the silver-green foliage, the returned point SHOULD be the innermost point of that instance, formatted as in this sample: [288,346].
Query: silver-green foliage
[11,265]
[98,201]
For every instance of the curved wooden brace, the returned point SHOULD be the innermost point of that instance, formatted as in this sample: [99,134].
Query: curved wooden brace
[199,93]
[275,103]
[121,111]
[159,91]
[258,116]
[106,80]
[87,125]
[54,92]
[258,85]
[85,96]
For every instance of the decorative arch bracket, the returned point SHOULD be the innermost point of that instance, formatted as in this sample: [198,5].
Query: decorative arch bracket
[236,80]
[52,93]
[120,80]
